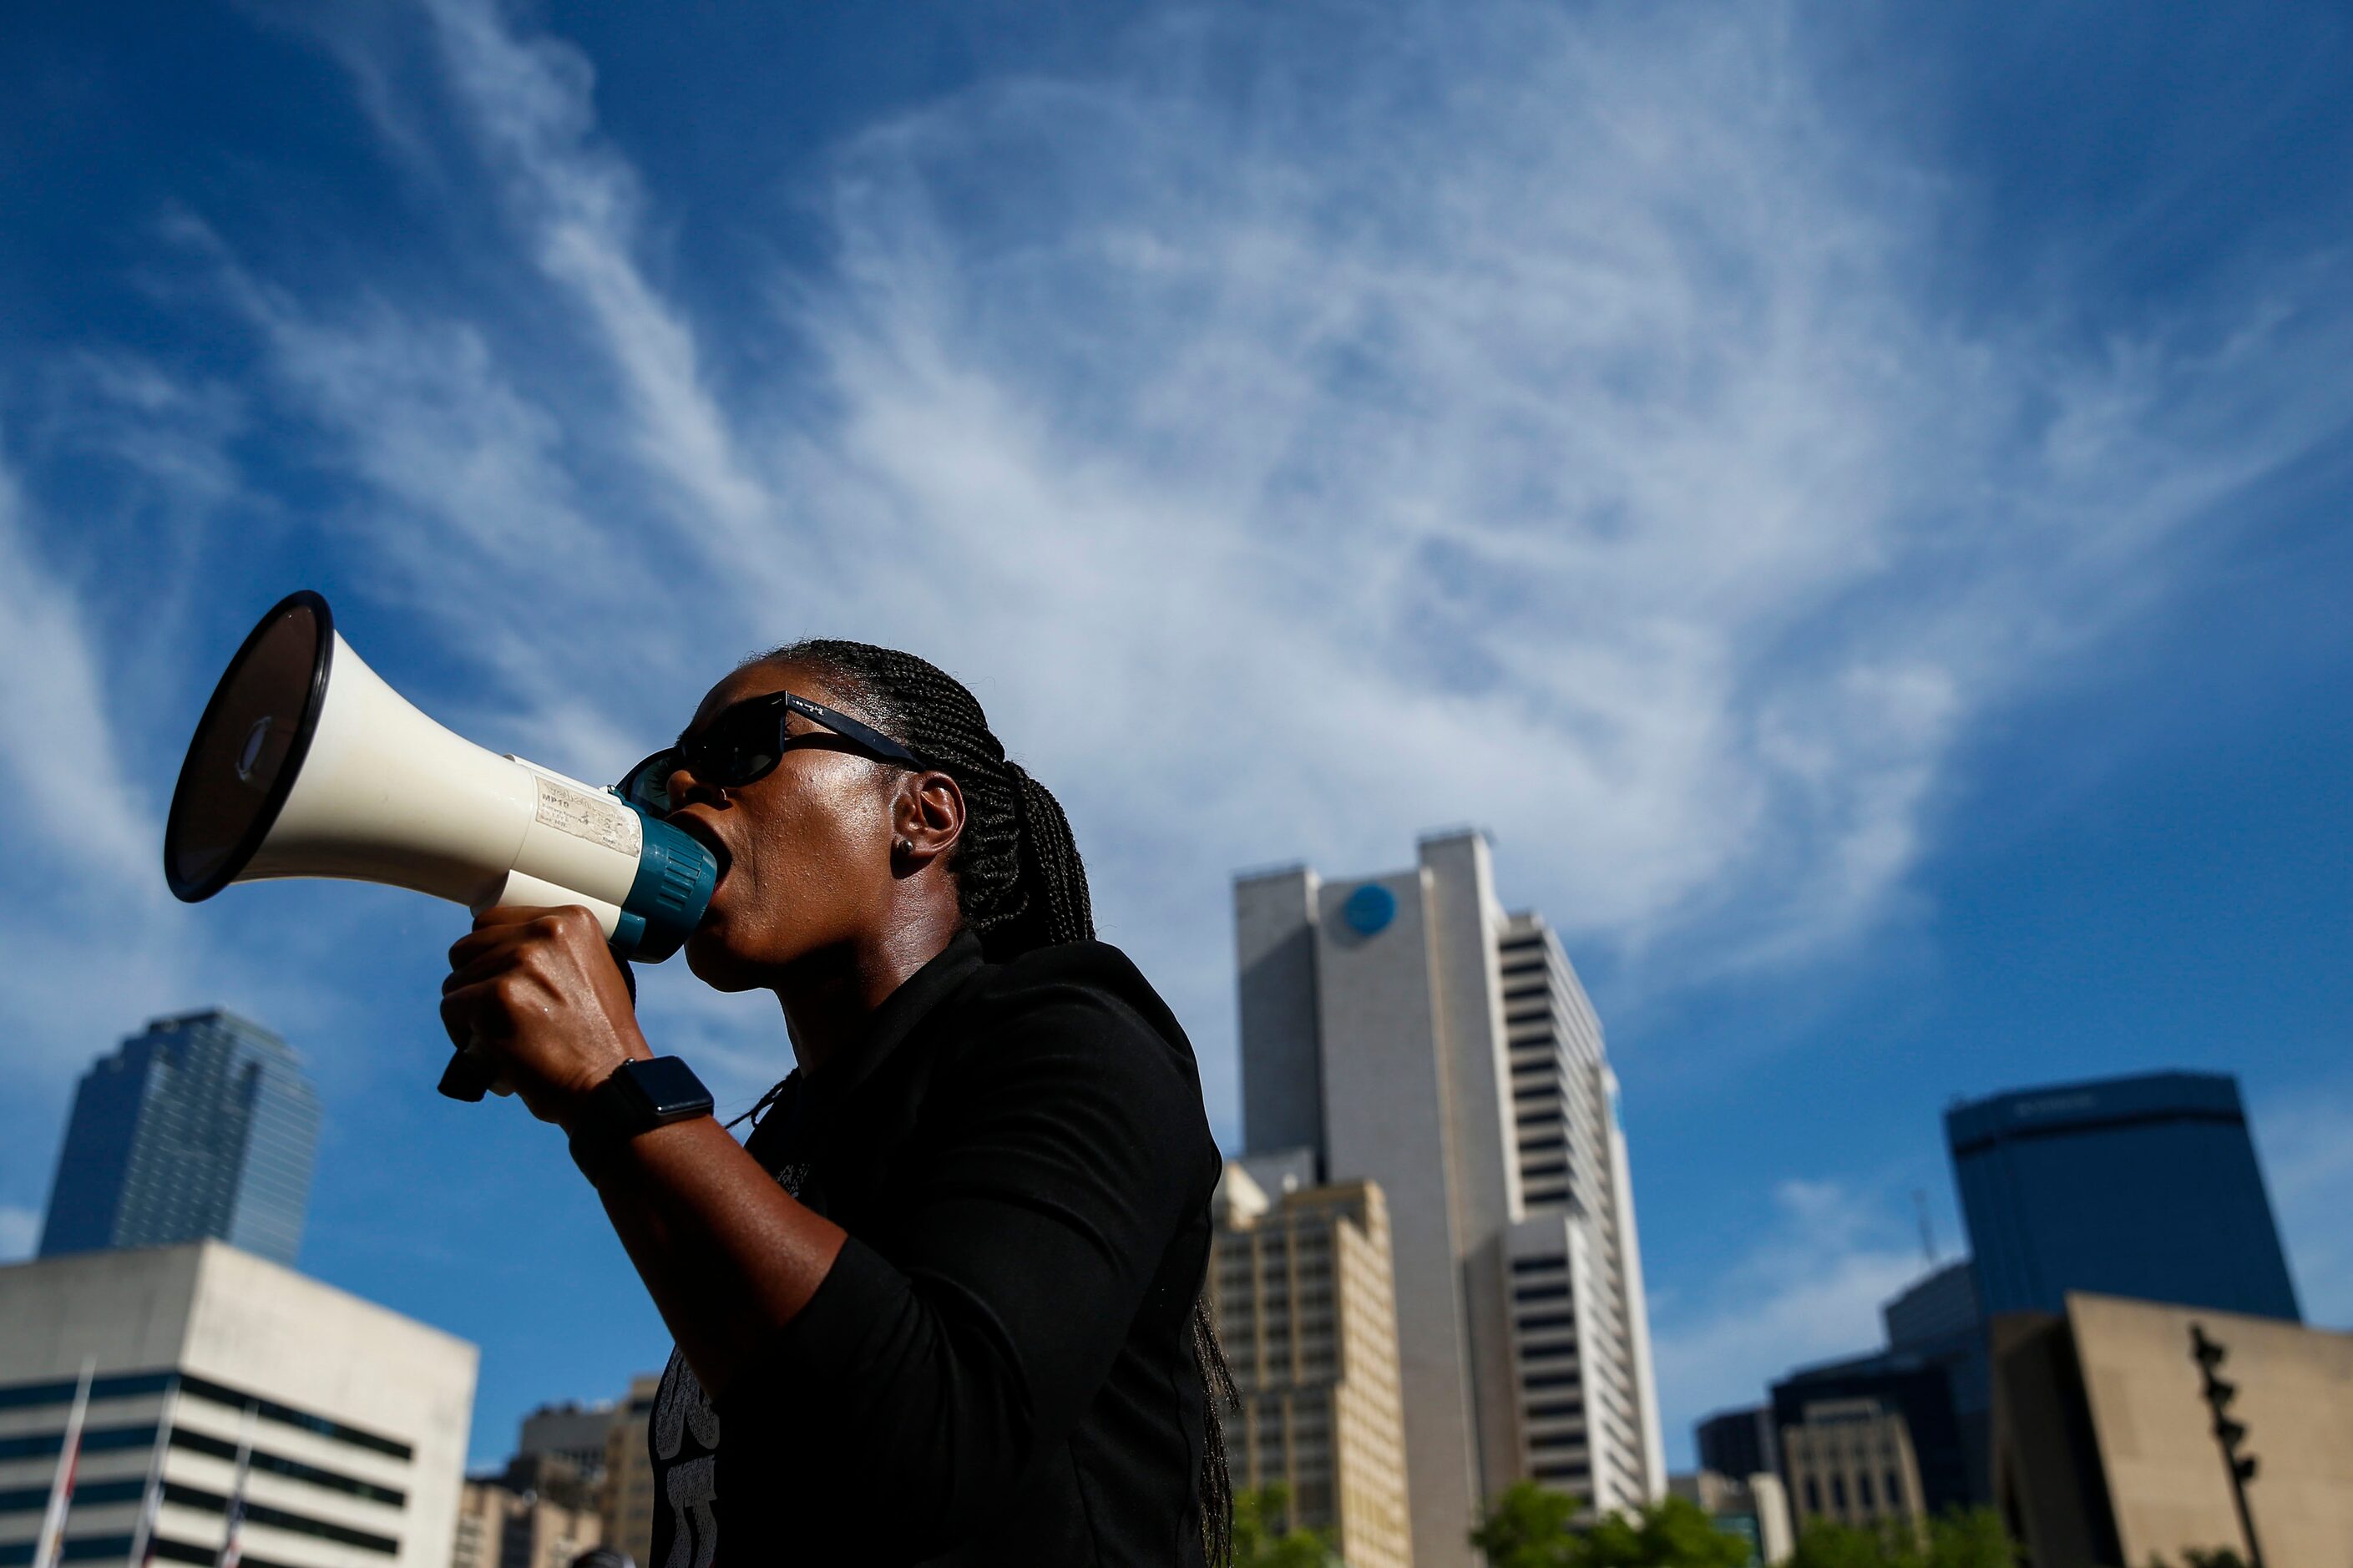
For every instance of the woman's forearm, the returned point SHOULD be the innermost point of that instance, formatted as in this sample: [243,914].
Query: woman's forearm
[728,1255]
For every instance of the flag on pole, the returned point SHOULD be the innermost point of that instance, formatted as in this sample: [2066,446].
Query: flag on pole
[151,1506]
[233,1543]
[50,1546]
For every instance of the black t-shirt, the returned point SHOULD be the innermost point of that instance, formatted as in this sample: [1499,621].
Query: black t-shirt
[999,1367]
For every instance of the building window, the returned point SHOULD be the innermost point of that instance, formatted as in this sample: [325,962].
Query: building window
[1838,1493]
[1814,1496]
[1894,1490]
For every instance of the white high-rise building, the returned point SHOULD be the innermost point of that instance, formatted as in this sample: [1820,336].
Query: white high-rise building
[1405,1029]
[350,1419]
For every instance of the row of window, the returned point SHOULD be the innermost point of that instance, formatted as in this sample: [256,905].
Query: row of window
[115,1439]
[90,1493]
[1893,1491]
[123,1385]
[98,1548]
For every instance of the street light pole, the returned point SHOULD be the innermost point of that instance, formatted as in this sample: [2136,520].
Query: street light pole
[2228,1434]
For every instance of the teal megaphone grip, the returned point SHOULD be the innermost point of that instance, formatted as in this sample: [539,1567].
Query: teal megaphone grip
[675,878]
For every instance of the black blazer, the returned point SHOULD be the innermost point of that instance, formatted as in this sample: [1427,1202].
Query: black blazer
[1000,1369]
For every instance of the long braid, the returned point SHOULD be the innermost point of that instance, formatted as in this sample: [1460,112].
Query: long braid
[1020,884]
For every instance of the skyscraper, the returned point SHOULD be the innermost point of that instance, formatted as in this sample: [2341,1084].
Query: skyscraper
[202,1126]
[2143,1186]
[1407,1030]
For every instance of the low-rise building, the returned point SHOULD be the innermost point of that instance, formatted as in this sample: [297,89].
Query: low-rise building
[571,1430]
[2104,1441]
[1850,1461]
[352,1418]
[540,1512]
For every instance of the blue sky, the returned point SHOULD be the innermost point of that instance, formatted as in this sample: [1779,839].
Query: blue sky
[1854,501]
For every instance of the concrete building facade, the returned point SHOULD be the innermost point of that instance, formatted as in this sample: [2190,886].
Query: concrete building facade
[541,1513]
[206,1125]
[1407,1030]
[629,1488]
[571,1431]
[1850,1461]
[1303,1295]
[2105,1447]
[356,1417]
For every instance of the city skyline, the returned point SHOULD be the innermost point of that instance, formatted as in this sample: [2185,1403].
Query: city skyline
[1851,504]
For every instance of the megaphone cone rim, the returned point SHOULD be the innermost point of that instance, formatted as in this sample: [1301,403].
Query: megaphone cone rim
[323,661]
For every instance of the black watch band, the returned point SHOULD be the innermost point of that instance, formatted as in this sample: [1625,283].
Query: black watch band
[638,1096]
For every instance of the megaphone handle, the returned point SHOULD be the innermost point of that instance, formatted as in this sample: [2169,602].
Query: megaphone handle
[469,1077]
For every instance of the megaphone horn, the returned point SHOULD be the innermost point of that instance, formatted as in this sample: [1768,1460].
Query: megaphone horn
[307,764]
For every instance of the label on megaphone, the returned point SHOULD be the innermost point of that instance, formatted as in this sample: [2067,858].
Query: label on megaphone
[307,764]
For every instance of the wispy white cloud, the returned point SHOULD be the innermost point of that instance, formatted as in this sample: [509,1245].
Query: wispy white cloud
[20,1232]
[580,207]
[1536,418]
[53,707]
[1809,1290]
[1546,424]
[85,924]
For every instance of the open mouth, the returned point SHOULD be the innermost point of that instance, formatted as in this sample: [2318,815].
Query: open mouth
[702,833]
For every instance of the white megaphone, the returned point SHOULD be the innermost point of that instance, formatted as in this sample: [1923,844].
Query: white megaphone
[307,764]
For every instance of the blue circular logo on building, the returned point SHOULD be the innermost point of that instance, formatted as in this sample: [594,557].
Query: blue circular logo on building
[1370,910]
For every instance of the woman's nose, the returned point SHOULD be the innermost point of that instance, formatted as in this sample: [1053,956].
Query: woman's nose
[683,786]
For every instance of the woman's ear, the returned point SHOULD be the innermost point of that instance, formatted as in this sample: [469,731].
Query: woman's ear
[927,817]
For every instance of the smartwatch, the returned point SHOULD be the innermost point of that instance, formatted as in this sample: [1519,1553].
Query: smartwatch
[638,1096]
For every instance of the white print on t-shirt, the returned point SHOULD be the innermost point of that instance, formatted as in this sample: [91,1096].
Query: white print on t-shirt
[691,1485]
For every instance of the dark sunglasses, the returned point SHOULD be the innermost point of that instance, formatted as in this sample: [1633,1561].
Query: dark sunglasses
[746,742]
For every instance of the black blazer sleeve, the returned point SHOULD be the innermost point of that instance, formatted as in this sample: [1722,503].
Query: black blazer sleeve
[1061,1149]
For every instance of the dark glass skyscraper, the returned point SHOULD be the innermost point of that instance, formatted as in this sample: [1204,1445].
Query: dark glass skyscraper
[2142,1186]
[204,1126]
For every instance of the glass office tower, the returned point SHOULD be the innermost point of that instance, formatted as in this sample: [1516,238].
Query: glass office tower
[2144,1187]
[204,1126]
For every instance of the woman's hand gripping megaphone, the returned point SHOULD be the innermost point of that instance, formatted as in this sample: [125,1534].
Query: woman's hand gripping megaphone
[537,1004]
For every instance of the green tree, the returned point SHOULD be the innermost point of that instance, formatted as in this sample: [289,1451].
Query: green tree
[1969,1538]
[1958,1537]
[1827,1545]
[1531,1526]
[1672,1533]
[1263,1537]
[1527,1527]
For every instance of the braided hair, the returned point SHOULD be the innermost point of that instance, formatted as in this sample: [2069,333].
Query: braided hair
[1019,885]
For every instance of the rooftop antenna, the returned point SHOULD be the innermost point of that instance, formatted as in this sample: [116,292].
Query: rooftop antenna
[1927,1228]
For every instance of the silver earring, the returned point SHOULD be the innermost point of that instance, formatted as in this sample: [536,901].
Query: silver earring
[903,847]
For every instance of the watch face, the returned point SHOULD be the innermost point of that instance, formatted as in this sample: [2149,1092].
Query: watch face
[670,1088]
